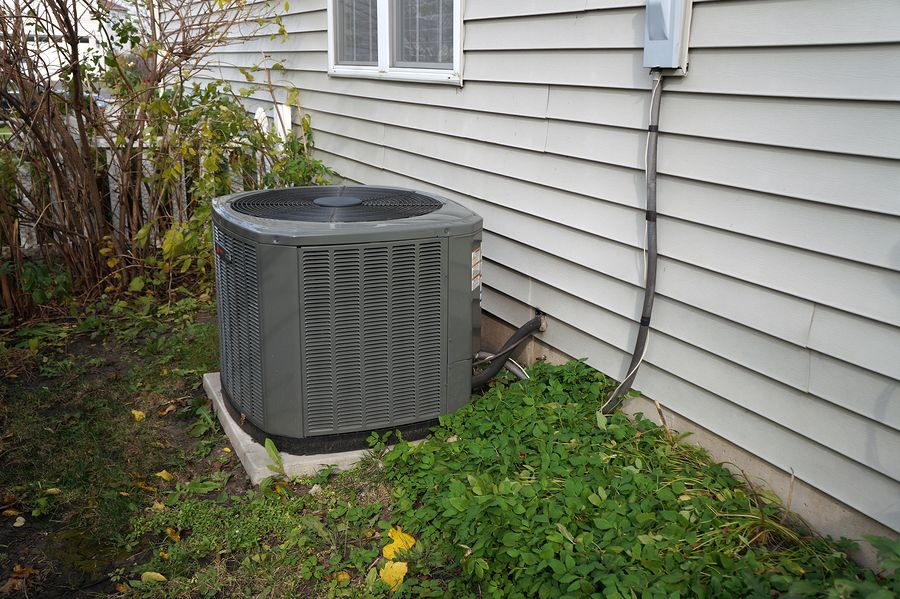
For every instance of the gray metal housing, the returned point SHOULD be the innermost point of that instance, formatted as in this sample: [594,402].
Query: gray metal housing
[329,328]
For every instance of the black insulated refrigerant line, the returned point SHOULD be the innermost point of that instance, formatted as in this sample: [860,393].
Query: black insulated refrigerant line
[640,344]
[497,361]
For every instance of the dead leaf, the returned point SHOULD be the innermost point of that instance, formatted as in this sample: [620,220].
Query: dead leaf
[122,588]
[164,474]
[173,534]
[163,555]
[124,493]
[22,573]
[158,506]
[341,576]
[138,415]
[144,486]
[152,577]
[11,512]
[401,541]
[226,449]
[53,491]
[20,521]
[393,573]
[166,410]
[16,581]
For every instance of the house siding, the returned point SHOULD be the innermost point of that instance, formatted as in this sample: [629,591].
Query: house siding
[777,324]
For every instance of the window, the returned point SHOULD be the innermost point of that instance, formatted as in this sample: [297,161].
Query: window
[413,40]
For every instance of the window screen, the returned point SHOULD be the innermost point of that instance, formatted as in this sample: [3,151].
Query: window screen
[357,31]
[423,34]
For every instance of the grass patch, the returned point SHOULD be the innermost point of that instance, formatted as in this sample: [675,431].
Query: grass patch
[75,463]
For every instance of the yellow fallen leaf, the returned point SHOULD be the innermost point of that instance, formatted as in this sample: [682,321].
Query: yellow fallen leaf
[164,474]
[124,493]
[145,486]
[53,491]
[226,449]
[341,576]
[165,372]
[166,410]
[401,540]
[163,555]
[158,506]
[152,577]
[20,521]
[11,512]
[173,534]
[393,573]
[122,588]
[137,415]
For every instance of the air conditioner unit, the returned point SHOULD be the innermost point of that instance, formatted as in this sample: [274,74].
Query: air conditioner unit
[344,310]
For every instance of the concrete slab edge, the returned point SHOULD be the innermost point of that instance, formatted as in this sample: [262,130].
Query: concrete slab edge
[253,455]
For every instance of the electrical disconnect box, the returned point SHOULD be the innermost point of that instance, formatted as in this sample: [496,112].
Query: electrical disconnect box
[666,33]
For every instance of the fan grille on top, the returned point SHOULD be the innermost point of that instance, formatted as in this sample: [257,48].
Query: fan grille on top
[357,204]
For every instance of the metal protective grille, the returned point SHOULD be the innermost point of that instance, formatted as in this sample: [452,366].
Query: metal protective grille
[299,204]
[239,330]
[373,334]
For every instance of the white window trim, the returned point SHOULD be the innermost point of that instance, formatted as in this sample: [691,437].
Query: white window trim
[384,70]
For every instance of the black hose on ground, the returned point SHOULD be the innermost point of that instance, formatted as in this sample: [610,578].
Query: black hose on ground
[482,378]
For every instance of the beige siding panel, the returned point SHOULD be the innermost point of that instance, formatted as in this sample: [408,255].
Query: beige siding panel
[870,72]
[492,9]
[855,182]
[598,29]
[615,184]
[350,148]
[603,68]
[872,395]
[507,130]
[296,42]
[303,61]
[795,22]
[841,232]
[871,345]
[856,437]
[612,145]
[849,286]
[600,106]
[306,21]
[863,128]
[611,221]
[502,98]
[776,314]
[777,359]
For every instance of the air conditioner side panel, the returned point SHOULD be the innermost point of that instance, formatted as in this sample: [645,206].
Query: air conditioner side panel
[463,316]
[280,325]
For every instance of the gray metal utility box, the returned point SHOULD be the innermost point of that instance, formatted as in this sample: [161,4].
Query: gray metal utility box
[345,309]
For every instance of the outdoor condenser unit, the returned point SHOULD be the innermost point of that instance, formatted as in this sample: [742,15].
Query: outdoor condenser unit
[344,310]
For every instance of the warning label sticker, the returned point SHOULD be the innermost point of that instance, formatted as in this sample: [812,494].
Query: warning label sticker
[476,268]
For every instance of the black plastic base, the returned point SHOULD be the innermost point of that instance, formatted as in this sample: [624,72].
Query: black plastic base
[325,443]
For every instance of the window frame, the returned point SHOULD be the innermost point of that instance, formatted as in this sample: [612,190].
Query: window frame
[384,70]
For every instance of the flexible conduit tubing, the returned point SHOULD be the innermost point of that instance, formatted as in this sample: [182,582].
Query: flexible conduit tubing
[640,344]
[499,359]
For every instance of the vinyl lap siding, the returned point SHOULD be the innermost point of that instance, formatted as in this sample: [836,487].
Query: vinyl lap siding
[778,320]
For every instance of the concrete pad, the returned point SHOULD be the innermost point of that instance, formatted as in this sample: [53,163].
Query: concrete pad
[253,455]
